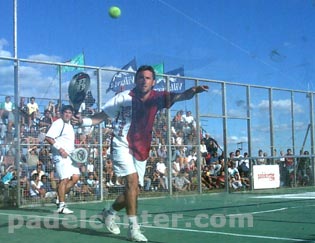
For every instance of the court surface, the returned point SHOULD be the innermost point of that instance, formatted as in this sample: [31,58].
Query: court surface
[282,215]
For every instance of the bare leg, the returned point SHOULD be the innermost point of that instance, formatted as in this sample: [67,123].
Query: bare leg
[129,199]
[65,185]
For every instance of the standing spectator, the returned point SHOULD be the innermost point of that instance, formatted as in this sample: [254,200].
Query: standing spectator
[23,111]
[51,108]
[32,111]
[203,151]
[260,160]
[238,158]
[303,164]
[289,168]
[7,116]
[211,144]
[281,163]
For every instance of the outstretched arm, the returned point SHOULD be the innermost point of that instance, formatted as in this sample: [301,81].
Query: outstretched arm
[97,118]
[189,93]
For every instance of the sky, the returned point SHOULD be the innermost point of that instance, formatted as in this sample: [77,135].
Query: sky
[259,42]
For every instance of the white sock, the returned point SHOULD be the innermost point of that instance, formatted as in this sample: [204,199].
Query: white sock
[133,221]
[62,204]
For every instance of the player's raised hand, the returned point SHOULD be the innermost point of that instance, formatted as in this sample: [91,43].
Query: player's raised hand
[202,88]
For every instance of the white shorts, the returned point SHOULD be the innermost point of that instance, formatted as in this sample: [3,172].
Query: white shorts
[65,168]
[125,164]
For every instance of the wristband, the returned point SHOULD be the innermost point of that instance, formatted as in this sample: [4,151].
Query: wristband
[87,122]
[56,145]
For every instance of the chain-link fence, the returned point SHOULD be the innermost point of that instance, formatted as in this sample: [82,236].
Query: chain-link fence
[197,145]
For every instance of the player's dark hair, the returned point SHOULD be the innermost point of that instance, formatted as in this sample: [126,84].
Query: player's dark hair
[67,107]
[145,68]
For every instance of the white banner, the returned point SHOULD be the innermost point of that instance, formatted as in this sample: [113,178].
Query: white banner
[266,176]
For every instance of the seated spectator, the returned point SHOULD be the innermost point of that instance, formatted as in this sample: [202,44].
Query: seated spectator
[32,136]
[109,172]
[178,121]
[90,167]
[24,183]
[92,183]
[8,159]
[181,154]
[161,169]
[190,142]
[189,119]
[45,121]
[235,180]
[32,158]
[176,167]
[38,171]
[186,129]
[46,186]
[148,177]
[206,178]
[214,159]
[10,173]
[162,152]
[244,165]
[45,159]
[56,116]
[32,111]
[36,190]
[153,152]
[180,182]
[23,134]
[2,168]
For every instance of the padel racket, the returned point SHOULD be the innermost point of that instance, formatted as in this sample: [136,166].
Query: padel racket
[79,156]
[78,86]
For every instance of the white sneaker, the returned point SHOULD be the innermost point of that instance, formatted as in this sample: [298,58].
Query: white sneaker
[109,184]
[57,202]
[134,234]
[64,210]
[109,221]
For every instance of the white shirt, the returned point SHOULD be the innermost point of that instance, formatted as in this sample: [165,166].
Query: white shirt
[63,133]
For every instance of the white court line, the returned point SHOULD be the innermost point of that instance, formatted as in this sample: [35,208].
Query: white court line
[259,212]
[304,195]
[176,229]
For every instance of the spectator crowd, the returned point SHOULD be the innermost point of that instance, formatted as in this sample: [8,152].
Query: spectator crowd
[39,180]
